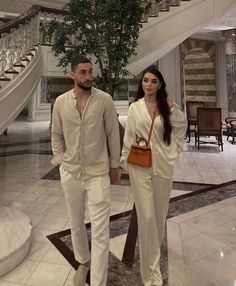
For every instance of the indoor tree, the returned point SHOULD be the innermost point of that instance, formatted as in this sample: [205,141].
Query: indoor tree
[104,30]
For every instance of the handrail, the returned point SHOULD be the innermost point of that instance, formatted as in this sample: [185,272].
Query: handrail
[29,14]
[152,9]
[5,20]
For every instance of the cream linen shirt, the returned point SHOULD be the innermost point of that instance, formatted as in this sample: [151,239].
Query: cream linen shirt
[163,156]
[81,144]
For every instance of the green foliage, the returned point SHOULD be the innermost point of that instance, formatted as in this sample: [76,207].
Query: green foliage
[106,30]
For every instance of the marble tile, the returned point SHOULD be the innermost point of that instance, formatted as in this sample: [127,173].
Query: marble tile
[27,197]
[53,223]
[38,251]
[215,271]
[209,173]
[187,232]
[48,199]
[40,235]
[191,215]
[194,179]
[117,245]
[194,278]
[36,190]
[200,224]
[10,196]
[212,180]
[54,256]
[118,206]
[21,206]
[5,283]
[37,209]
[227,256]
[199,246]
[21,273]
[49,274]
[217,217]
[231,225]
[229,211]
[176,193]
[222,234]
[129,206]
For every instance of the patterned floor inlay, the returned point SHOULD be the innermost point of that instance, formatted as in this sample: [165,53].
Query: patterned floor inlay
[119,273]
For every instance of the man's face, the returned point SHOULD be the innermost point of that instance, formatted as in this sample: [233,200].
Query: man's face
[83,76]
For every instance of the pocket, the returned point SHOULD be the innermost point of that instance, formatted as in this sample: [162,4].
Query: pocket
[99,190]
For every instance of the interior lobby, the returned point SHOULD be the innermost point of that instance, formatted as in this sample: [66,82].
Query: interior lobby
[199,248]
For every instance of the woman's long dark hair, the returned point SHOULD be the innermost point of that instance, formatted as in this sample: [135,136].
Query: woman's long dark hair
[162,104]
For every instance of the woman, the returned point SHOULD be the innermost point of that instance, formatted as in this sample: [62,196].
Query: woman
[151,187]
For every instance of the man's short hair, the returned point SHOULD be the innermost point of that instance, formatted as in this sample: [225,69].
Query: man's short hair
[77,61]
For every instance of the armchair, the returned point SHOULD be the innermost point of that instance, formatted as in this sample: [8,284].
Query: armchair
[231,127]
[209,124]
[191,108]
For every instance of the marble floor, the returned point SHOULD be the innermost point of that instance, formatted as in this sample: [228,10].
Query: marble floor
[25,158]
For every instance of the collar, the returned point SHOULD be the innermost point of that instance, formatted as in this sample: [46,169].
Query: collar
[74,96]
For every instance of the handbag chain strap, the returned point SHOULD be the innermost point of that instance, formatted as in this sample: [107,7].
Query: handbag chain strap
[150,132]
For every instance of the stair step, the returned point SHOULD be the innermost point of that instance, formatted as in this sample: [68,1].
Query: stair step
[15,232]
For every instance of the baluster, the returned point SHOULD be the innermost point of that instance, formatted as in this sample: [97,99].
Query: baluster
[28,40]
[19,47]
[23,58]
[3,57]
[146,4]
[33,35]
[164,5]
[154,9]
[12,52]
[44,21]
[175,3]
[37,30]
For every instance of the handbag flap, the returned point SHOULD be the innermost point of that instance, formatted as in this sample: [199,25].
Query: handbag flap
[141,147]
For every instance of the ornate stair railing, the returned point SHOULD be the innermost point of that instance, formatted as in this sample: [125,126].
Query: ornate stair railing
[20,61]
[21,36]
[20,39]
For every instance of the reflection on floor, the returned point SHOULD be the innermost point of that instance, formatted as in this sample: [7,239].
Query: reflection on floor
[204,235]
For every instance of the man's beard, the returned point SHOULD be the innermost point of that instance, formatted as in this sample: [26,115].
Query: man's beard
[82,86]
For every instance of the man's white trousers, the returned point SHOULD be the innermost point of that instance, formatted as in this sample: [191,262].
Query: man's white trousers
[97,192]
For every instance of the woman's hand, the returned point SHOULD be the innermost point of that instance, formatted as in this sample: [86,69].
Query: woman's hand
[170,102]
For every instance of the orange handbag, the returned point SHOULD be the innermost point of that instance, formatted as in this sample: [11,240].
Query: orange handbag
[142,155]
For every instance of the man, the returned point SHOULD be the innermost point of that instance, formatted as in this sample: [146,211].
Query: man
[84,128]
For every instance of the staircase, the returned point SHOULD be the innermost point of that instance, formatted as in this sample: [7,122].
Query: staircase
[162,34]
[21,62]
[167,24]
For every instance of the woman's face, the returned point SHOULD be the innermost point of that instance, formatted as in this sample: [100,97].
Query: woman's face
[150,84]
